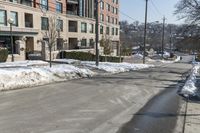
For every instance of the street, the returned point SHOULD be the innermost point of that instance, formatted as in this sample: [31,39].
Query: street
[122,103]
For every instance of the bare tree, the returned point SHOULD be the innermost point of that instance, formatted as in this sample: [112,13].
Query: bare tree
[188,10]
[105,42]
[51,34]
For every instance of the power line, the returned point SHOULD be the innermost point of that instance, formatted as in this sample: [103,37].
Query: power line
[157,10]
[127,16]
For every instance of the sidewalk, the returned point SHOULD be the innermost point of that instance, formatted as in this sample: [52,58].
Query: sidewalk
[192,124]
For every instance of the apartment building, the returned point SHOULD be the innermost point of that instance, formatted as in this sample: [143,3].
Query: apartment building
[75,20]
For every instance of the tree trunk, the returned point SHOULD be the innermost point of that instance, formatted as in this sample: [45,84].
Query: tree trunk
[50,57]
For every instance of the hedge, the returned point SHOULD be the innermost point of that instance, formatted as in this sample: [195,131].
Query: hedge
[83,56]
[3,54]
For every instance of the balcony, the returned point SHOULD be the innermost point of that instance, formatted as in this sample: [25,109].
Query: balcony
[23,2]
[72,1]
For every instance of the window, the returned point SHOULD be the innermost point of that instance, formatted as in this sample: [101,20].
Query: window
[59,24]
[117,30]
[108,7]
[101,29]
[107,30]
[113,9]
[26,2]
[28,20]
[113,20]
[14,1]
[102,5]
[91,28]
[44,4]
[108,19]
[59,7]
[92,43]
[83,43]
[72,27]
[116,21]
[44,23]
[116,11]
[83,27]
[116,1]
[3,17]
[14,16]
[102,17]
[113,31]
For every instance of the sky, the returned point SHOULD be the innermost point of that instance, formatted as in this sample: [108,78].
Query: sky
[156,10]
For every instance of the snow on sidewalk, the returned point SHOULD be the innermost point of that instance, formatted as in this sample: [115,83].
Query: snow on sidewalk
[13,78]
[115,67]
[189,88]
[23,63]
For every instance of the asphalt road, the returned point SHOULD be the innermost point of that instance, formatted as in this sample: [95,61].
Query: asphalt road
[160,114]
[97,105]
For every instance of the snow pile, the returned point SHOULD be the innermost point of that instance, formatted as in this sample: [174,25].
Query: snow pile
[189,88]
[68,61]
[23,63]
[139,56]
[116,67]
[13,78]
[166,61]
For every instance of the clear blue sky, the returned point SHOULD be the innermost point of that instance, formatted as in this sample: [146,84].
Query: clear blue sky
[136,8]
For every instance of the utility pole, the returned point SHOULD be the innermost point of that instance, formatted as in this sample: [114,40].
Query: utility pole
[97,32]
[170,40]
[163,36]
[145,32]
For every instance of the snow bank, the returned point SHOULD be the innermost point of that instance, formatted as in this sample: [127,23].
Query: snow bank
[68,61]
[189,88]
[116,67]
[13,78]
[23,64]
[166,61]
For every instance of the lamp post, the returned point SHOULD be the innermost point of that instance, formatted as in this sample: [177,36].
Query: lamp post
[97,31]
[11,21]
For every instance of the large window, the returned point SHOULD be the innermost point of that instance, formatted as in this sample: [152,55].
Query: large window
[92,43]
[44,4]
[3,17]
[83,43]
[91,28]
[102,17]
[44,23]
[73,26]
[117,32]
[102,5]
[101,29]
[59,7]
[84,27]
[113,31]
[14,16]
[28,20]
[108,7]
[59,24]
[107,30]
[108,19]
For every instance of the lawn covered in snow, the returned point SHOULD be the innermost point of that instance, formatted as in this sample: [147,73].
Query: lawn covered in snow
[115,67]
[13,78]
[14,75]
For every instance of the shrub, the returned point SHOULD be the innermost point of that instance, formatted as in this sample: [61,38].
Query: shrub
[83,56]
[3,54]
[197,58]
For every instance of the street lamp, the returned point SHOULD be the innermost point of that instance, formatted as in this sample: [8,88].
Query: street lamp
[11,21]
